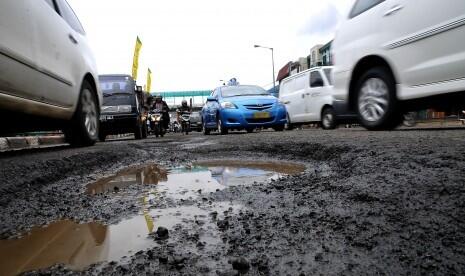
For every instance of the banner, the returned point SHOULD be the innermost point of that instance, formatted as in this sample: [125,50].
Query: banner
[149,80]
[135,61]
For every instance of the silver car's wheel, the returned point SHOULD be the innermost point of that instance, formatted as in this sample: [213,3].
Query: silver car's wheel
[83,129]
[373,100]
[89,110]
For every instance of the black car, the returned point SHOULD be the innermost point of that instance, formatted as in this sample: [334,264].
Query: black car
[123,109]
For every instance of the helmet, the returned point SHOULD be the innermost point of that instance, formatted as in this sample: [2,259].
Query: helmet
[184,103]
[158,97]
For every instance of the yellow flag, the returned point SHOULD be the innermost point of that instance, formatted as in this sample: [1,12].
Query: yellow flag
[135,61]
[149,80]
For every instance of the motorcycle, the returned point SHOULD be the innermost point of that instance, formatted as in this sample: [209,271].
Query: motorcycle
[185,122]
[155,123]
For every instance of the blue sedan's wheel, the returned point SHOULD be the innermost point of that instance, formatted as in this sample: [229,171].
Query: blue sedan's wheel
[206,130]
[221,129]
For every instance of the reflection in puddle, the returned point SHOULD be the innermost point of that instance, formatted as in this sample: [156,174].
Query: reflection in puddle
[149,174]
[202,177]
[79,245]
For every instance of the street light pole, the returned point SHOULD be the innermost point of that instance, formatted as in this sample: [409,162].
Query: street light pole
[272,62]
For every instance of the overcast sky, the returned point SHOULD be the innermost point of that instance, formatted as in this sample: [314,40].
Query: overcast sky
[191,45]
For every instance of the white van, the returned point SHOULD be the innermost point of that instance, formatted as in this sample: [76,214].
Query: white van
[308,98]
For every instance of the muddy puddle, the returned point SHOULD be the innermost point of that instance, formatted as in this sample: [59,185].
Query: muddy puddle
[80,245]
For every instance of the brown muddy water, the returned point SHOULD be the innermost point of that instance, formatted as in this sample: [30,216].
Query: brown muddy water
[80,245]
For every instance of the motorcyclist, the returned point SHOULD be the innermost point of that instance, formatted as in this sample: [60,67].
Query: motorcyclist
[160,104]
[183,108]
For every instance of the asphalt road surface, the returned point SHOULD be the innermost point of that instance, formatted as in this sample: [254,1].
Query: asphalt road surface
[343,202]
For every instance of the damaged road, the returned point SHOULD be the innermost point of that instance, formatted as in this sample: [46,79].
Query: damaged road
[347,202]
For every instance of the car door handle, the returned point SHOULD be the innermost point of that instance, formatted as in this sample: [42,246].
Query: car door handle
[287,102]
[307,94]
[393,10]
[71,37]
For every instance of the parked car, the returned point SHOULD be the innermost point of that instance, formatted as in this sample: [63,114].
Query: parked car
[48,78]
[196,121]
[393,56]
[123,108]
[242,107]
[308,98]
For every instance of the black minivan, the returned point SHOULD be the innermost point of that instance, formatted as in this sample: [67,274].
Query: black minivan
[123,108]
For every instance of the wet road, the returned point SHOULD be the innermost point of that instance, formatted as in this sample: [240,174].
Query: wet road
[307,201]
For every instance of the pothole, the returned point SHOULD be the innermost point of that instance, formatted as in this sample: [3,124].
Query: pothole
[80,245]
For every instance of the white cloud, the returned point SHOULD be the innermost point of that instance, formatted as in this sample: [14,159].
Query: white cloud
[193,44]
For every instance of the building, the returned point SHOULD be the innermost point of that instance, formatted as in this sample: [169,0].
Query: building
[325,53]
[315,56]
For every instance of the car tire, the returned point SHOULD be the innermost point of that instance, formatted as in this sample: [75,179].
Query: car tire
[288,125]
[328,118]
[279,128]
[85,124]
[145,130]
[377,104]
[221,129]
[138,130]
[205,130]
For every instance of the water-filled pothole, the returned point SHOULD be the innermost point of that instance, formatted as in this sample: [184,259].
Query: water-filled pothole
[79,245]
[201,177]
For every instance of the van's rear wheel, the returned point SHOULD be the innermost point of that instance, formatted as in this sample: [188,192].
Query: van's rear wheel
[328,118]
[84,129]
[377,104]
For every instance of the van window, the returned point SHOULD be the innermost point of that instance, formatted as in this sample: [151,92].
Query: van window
[69,16]
[300,82]
[287,87]
[315,79]
[362,6]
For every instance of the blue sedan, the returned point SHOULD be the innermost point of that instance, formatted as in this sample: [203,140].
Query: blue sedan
[242,107]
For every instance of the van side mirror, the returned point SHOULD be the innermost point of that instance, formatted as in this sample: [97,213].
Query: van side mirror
[211,99]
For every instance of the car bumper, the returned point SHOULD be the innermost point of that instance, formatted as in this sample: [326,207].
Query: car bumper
[116,124]
[241,119]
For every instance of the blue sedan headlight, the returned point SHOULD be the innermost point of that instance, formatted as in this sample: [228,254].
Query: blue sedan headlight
[228,105]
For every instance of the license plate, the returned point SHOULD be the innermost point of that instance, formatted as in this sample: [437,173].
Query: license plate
[106,117]
[261,115]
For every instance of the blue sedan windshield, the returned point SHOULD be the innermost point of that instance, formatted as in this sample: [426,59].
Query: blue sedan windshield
[234,91]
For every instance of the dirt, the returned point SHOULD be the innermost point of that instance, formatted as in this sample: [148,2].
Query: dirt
[368,203]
